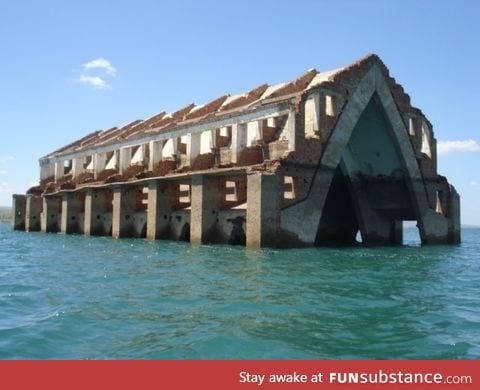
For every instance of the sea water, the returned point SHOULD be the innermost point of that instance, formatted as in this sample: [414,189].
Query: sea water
[72,297]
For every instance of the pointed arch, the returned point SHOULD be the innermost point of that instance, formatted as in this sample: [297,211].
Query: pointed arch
[301,220]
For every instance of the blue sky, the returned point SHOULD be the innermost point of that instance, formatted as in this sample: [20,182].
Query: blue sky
[161,55]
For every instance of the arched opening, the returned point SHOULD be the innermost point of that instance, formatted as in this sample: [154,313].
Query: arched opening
[338,224]
[185,233]
[369,191]
[237,235]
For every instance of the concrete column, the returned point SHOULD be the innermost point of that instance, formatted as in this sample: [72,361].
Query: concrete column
[77,166]
[47,171]
[72,207]
[97,219]
[193,147]
[125,159]
[99,163]
[122,213]
[263,210]
[207,195]
[59,170]
[33,210]
[156,149]
[52,208]
[291,130]
[239,140]
[160,205]
[19,204]
[454,228]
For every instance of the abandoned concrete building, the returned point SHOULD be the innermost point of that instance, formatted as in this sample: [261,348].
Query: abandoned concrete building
[310,162]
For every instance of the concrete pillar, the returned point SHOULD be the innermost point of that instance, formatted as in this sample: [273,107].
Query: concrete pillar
[78,166]
[47,171]
[239,140]
[19,203]
[72,207]
[97,219]
[193,147]
[99,163]
[263,210]
[52,208]
[291,130]
[33,209]
[125,159]
[161,196]
[59,170]
[156,149]
[454,228]
[207,196]
[122,213]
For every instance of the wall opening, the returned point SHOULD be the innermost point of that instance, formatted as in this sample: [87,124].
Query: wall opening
[426,141]
[185,233]
[411,234]
[411,126]
[338,224]
[329,105]
[289,187]
[184,195]
[440,208]
[231,191]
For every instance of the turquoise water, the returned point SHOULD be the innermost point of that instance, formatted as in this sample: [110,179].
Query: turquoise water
[70,297]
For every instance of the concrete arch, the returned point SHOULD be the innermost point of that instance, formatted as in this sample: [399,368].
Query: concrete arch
[299,222]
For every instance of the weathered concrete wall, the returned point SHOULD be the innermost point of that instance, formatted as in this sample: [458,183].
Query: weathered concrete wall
[33,210]
[51,214]
[263,210]
[19,204]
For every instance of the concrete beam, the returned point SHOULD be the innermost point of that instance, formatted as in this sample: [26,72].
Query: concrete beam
[263,210]
[229,120]
[207,195]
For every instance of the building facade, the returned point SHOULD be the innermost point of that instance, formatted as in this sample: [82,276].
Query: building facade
[310,162]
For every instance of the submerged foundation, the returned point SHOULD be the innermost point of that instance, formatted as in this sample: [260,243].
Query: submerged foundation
[307,163]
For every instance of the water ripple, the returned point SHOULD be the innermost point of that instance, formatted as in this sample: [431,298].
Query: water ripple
[70,297]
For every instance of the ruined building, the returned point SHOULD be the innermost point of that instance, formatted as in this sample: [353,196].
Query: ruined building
[306,163]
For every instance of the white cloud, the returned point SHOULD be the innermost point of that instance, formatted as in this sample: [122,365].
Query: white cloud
[5,187]
[94,81]
[101,63]
[5,159]
[444,147]
[474,183]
